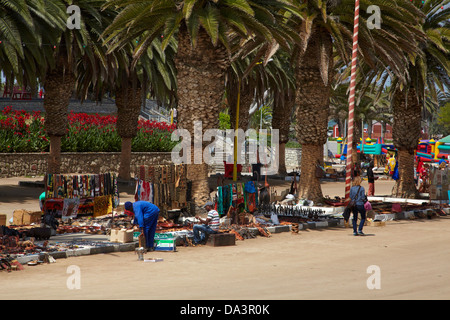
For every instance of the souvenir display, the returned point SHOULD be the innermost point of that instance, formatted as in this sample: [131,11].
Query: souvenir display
[70,194]
[166,186]
[234,194]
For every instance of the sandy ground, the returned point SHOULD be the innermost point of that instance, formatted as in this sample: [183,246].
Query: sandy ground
[410,259]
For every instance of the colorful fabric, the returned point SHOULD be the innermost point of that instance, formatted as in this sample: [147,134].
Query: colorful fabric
[220,201]
[59,186]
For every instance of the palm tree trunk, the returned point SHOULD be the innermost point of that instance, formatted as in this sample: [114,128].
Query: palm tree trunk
[282,158]
[311,191]
[340,124]
[200,78]
[128,102]
[281,120]
[313,98]
[246,101]
[356,135]
[369,128]
[405,187]
[58,86]
[383,130]
[125,158]
[406,134]
[54,157]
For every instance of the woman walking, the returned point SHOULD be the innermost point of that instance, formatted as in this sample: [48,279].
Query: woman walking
[358,195]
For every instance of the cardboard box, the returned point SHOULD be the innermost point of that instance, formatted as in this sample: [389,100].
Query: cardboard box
[2,219]
[372,223]
[121,235]
[32,217]
[24,217]
[17,217]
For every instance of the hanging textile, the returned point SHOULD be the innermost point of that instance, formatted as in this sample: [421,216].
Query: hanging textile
[70,208]
[240,193]
[60,186]
[219,201]
[250,192]
[163,185]
[235,194]
[101,205]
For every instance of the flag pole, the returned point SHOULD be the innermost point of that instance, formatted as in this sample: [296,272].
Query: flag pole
[351,104]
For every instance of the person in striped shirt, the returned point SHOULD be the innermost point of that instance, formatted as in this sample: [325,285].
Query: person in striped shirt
[210,225]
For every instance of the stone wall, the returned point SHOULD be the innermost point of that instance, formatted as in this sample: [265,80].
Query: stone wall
[106,107]
[35,164]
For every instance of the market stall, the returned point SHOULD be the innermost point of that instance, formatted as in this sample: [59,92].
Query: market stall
[236,194]
[70,195]
[166,186]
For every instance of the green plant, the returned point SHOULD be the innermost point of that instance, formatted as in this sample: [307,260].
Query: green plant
[24,132]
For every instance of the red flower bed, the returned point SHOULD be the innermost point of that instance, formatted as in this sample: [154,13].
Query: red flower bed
[25,132]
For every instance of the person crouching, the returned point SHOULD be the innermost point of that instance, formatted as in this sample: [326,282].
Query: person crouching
[146,217]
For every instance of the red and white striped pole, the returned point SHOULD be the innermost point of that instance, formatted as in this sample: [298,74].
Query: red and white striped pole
[351,104]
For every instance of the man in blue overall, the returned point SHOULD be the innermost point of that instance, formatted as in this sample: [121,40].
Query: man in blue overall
[146,216]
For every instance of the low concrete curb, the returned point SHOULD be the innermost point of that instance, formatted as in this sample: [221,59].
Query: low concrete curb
[88,250]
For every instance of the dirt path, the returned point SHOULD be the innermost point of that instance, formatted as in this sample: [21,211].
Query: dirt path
[411,257]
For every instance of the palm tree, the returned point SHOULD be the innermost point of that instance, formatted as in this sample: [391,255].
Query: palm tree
[128,101]
[70,45]
[22,49]
[203,30]
[262,117]
[154,70]
[263,83]
[281,85]
[234,79]
[114,72]
[11,28]
[370,105]
[438,119]
[327,27]
[428,72]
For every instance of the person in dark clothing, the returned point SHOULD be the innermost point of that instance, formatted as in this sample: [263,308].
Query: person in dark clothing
[146,216]
[356,170]
[371,179]
[357,194]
